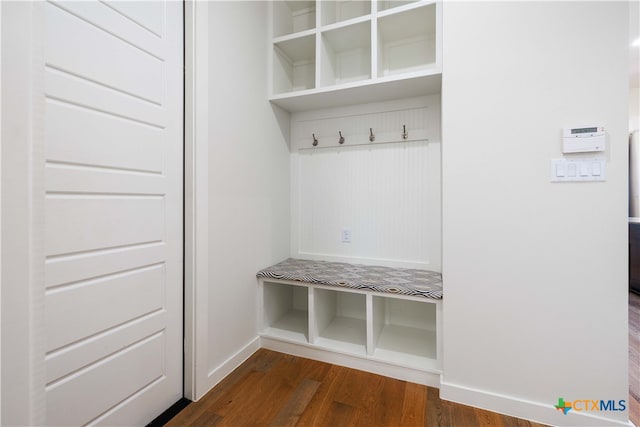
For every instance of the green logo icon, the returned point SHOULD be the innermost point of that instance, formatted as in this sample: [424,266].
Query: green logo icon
[563,406]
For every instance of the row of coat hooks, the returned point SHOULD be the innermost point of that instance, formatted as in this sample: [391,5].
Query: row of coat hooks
[372,137]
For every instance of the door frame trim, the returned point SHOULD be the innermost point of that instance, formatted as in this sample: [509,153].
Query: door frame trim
[196,199]
[23,285]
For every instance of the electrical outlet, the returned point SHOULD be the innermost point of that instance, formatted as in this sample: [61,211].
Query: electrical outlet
[346,235]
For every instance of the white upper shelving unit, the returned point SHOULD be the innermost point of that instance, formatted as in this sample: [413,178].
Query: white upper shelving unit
[332,53]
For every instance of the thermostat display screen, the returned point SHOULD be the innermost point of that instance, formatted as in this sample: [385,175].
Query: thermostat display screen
[583,130]
[583,139]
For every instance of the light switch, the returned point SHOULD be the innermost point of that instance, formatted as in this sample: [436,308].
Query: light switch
[584,169]
[578,170]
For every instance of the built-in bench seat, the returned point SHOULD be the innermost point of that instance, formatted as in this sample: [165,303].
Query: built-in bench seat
[403,281]
[378,319]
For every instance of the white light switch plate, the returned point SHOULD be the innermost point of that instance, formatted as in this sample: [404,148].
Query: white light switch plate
[577,170]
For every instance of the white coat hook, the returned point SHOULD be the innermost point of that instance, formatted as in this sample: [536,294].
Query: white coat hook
[341,140]
[315,140]
[405,135]
[371,136]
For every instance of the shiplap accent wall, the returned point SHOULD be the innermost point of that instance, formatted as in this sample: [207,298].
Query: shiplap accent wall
[386,192]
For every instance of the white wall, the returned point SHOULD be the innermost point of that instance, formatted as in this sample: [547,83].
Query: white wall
[248,179]
[535,273]
[634,109]
[634,75]
[0,216]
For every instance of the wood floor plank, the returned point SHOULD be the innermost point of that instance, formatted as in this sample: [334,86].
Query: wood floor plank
[515,422]
[338,414]
[438,412]
[283,390]
[233,402]
[207,419]
[634,411]
[634,345]
[323,398]
[278,387]
[388,405]
[488,418]
[463,416]
[370,402]
[352,385]
[634,358]
[274,388]
[414,405]
[261,360]
[297,403]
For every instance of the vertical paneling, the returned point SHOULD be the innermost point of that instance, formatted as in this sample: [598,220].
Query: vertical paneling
[387,192]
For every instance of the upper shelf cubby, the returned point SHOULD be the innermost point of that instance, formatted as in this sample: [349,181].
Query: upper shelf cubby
[338,52]
[406,41]
[390,4]
[341,10]
[290,17]
[294,64]
[346,55]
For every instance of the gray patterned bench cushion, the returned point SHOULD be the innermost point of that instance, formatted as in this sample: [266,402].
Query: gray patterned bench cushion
[404,281]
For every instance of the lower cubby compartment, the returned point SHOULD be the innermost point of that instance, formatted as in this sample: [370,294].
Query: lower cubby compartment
[392,335]
[405,332]
[340,321]
[286,312]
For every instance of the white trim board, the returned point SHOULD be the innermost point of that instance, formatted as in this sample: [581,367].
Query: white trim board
[354,362]
[226,367]
[23,215]
[543,413]
[196,378]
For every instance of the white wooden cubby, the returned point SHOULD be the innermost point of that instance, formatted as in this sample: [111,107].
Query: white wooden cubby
[355,67]
[389,334]
[294,64]
[331,53]
[334,11]
[286,312]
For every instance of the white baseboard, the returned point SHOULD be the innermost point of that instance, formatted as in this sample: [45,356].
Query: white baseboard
[226,367]
[544,413]
[354,362]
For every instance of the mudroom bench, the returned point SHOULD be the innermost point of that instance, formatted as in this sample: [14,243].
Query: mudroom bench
[378,319]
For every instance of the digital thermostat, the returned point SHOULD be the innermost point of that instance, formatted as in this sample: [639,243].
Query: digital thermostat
[583,140]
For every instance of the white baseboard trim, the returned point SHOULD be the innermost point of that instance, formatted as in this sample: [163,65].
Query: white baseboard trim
[543,413]
[354,362]
[226,367]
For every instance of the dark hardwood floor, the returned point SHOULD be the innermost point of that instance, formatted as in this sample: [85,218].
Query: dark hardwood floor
[275,389]
[634,358]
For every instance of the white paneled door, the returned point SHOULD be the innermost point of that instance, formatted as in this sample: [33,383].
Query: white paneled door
[113,211]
